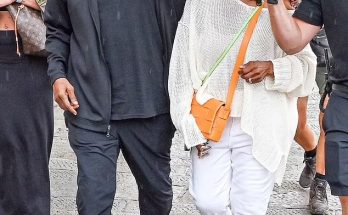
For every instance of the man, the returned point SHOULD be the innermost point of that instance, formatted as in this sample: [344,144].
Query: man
[318,202]
[292,34]
[313,174]
[314,171]
[108,65]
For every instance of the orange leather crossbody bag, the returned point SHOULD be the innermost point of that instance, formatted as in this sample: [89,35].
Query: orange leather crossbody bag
[212,116]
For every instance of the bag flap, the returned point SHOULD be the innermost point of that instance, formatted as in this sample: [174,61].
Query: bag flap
[206,113]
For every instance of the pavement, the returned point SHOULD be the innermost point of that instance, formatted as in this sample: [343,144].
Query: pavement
[289,199]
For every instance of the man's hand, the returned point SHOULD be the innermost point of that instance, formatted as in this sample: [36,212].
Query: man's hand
[64,95]
[256,71]
[291,4]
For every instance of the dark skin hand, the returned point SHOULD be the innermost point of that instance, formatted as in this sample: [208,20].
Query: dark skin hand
[203,150]
[255,71]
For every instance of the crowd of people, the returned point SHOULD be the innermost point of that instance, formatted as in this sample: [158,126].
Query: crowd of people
[231,76]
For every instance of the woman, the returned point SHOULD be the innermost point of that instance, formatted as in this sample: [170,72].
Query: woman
[238,175]
[26,125]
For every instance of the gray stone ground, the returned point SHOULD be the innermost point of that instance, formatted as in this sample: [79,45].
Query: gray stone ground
[286,200]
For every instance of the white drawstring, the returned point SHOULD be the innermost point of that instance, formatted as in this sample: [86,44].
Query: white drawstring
[20,7]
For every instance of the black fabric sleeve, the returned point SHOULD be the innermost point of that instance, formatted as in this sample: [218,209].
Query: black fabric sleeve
[58,35]
[310,11]
[179,8]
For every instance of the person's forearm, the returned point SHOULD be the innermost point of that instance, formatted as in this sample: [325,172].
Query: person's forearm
[4,3]
[285,29]
[28,3]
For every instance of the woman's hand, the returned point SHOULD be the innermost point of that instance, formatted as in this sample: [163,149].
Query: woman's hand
[4,3]
[255,71]
[203,149]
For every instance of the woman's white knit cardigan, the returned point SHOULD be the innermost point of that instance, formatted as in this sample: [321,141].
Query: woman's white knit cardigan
[268,109]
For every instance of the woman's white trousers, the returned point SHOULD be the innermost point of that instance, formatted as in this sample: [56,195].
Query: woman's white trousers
[229,180]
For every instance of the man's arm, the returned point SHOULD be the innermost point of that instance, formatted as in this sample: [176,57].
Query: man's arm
[179,7]
[58,34]
[59,31]
[292,34]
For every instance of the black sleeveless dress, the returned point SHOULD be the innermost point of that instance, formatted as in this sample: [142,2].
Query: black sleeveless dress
[26,131]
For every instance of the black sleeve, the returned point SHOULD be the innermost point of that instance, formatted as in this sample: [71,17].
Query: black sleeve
[310,11]
[168,15]
[179,7]
[58,35]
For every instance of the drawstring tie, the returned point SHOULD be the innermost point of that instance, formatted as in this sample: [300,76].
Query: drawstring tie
[20,7]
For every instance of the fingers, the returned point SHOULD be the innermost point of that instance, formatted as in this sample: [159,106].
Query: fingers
[254,71]
[247,68]
[254,76]
[64,95]
[60,103]
[67,104]
[72,97]
[257,78]
[250,74]
[63,101]
[203,150]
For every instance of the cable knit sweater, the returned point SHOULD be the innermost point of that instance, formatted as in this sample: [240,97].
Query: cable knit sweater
[267,109]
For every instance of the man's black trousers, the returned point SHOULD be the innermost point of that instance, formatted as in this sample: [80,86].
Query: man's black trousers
[336,148]
[145,145]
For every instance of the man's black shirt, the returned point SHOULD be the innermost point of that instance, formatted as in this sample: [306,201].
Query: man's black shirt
[134,54]
[333,14]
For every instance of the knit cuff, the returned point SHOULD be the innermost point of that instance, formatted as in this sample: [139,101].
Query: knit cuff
[56,69]
[55,76]
[282,76]
[191,133]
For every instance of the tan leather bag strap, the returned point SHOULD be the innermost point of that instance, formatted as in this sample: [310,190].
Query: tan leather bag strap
[241,57]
